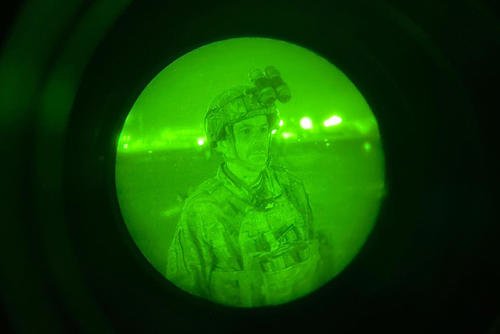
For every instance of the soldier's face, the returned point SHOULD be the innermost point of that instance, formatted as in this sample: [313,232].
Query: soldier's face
[251,140]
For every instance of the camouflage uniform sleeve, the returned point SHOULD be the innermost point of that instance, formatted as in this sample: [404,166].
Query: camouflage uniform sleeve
[326,261]
[307,210]
[301,198]
[190,258]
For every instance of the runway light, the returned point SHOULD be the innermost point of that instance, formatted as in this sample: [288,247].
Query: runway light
[281,122]
[306,123]
[287,135]
[332,121]
[201,141]
[274,131]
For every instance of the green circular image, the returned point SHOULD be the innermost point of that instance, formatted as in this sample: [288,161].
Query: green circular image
[250,172]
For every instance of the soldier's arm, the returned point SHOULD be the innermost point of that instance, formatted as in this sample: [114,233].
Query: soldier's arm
[305,205]
[190,259]
[326,261]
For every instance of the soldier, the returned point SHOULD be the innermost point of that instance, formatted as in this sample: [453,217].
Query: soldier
[245,237]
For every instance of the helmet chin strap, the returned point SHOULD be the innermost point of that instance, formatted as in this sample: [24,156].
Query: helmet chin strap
[234,151]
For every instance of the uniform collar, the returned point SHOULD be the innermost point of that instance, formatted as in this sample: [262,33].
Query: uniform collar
[266,190]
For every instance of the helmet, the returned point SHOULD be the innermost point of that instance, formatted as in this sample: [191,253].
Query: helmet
[242,102]
[232,106]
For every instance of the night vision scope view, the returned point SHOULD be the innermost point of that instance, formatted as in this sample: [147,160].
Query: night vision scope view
[250,172]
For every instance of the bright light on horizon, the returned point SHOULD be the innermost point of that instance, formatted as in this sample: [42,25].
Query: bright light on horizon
[306,123]
[332,121]
[201,141]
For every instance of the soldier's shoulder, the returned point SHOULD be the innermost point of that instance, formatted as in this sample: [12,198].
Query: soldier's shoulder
[284,175]
[205,194]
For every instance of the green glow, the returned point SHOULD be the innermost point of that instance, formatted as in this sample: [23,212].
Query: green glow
[332,121]
[306,123]
[202,225]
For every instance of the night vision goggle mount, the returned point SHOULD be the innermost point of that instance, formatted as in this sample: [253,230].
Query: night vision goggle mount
[268,86]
